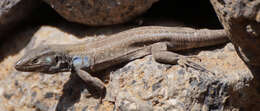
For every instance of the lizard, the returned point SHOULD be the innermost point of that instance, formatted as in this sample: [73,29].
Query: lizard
[85,58]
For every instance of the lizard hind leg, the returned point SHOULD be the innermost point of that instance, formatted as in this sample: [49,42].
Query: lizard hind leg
[162,55]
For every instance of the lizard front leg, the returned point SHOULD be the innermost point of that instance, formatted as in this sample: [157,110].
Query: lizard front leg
[79,64]
[93,81]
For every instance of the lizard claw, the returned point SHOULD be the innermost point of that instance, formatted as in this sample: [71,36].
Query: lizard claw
[194,57]
[187,63]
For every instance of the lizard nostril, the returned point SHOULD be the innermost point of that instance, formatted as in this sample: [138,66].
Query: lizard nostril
[17,67]
[18,64]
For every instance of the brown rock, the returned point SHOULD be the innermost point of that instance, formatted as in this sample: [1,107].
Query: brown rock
[242,20]
[13,11]
[100,12]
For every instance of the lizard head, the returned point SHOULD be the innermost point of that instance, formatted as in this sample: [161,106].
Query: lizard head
[43,59]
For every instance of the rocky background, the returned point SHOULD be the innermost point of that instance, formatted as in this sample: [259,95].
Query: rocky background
[223,82]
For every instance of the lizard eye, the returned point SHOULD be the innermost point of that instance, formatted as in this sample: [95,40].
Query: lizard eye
[35,61]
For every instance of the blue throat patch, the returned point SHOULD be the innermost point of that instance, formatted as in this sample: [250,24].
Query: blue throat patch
[79,61]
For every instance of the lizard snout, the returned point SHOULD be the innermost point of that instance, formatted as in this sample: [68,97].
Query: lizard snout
[19,65]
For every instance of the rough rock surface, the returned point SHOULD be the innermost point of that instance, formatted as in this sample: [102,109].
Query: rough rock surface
[241,18]
[142,84]
[100,12]
[13,11]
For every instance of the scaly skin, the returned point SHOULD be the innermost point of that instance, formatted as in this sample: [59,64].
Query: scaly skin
[122,47]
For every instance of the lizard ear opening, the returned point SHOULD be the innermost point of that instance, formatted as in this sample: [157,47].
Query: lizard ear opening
[56,59]
[48,60]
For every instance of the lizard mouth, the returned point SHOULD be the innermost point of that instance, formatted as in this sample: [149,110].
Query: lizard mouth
[36,68]
[29,68]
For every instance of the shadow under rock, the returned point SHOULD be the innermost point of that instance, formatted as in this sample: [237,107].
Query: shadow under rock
[81,30]
[72,92]
[14,41]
